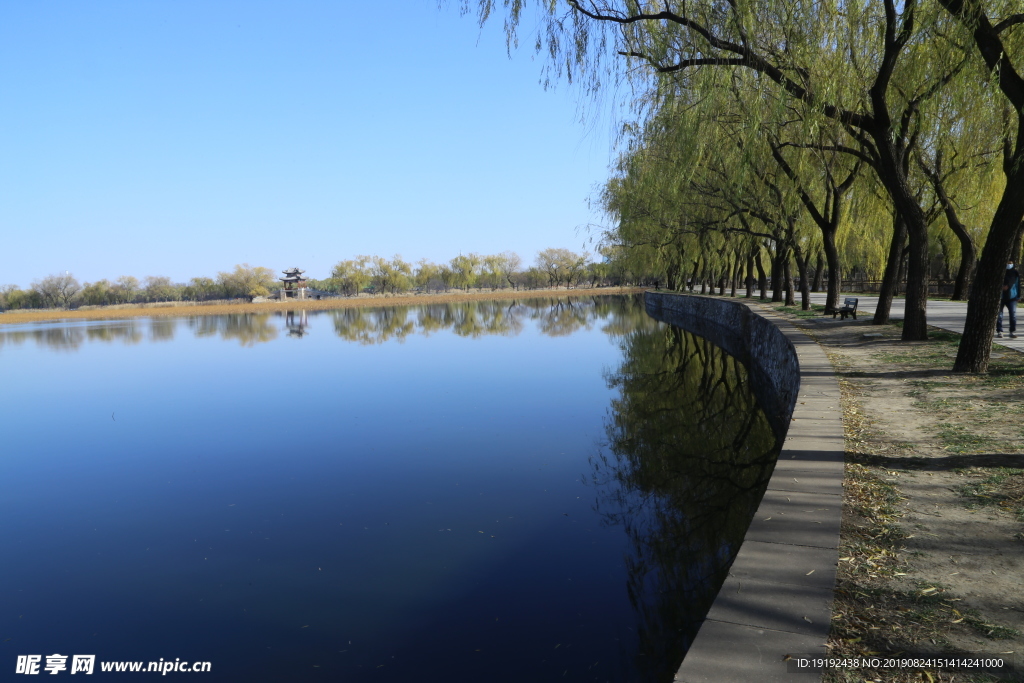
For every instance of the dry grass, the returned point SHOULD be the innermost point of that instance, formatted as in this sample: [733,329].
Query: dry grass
[178,309]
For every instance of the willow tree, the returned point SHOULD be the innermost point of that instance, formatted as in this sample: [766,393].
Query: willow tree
[868,67]
[692,171]
[823,180]
[658,212]
[996,34]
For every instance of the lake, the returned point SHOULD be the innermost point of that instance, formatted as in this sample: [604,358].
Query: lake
[538,490]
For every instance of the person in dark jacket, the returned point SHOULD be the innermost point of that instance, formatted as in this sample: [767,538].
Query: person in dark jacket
[1011,295]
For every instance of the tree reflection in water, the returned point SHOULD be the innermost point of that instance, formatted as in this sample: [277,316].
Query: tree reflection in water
[555,317]
[686,462]
[62,337]
[248,329]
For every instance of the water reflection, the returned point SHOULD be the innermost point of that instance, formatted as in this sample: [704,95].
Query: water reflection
[686,462]
[128,332]
[64,337]
[372,326]
[296,322]
[555,317]
[162,329]
[248,329]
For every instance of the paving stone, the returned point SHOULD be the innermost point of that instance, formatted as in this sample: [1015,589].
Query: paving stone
[777,606]
[815,411]
[797,518]
[810,461]
[809,481]
[730,653]
[791,564]
[813,449]
[816,428]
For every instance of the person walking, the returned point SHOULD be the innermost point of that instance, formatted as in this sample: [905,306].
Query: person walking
[1011,295]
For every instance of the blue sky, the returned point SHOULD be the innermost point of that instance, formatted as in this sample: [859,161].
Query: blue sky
[180,138]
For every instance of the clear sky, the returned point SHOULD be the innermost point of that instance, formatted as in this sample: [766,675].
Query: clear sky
[179,138]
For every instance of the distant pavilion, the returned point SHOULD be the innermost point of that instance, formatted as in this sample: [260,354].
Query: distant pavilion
[294,284]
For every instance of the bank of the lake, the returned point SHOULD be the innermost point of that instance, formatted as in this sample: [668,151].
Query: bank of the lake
[180,309]
[930,546]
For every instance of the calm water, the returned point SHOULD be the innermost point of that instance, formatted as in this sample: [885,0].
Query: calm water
[544,491]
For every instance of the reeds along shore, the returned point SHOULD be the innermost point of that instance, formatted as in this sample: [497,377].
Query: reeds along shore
[177,308]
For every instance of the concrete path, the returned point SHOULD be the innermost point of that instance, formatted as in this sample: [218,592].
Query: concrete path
[947,315]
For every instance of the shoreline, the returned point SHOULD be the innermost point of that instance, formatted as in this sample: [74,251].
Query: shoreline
[176,309]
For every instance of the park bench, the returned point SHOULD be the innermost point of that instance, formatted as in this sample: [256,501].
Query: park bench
[849,307]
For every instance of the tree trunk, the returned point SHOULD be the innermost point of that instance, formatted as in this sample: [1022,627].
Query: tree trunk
[835,282]
[1004,233]
[762,278]
[1015,249]
[983,306]
[671,277]
[901,273]
[788,274]
[750,275]
[693,277]
[778,268]
[892,267]
[968,252]
[819,273]
[801,267]
[965,273]
[893,158]
[737,268]
[915,322]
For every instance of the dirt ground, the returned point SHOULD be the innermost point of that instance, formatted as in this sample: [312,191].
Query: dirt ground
[932,554]
[187,308]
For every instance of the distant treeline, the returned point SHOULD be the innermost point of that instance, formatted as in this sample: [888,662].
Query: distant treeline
[363,274]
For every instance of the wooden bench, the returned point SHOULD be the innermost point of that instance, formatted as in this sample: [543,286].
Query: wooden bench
[849,307]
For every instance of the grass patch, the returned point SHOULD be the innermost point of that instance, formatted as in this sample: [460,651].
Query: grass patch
[957,439]
[929,354]
[875,610]
[1002,487]
[937,352]
[815,310]
[1003,373]
[944,336]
